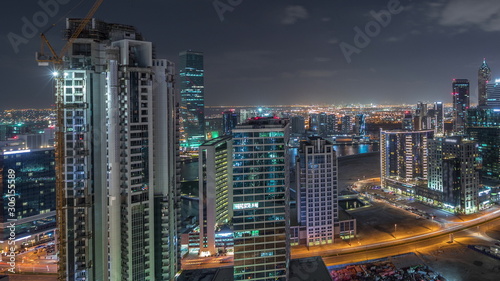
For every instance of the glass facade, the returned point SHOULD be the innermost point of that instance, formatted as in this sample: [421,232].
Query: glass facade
[192,97]
[483,126]
[32,173]
[484,76]
[261,195]
[461,103]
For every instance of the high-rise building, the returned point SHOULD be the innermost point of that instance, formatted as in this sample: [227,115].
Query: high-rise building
[360,125]
[331,125]
[453,171]
[420,118]
[120,148]
[314,123]
[407,123]
[461,102]
[346,124]
[27,176]
[229,120]
[261,200]
[492,95]
[317,191]
[438,118]
[483,127]
[404,156]
[215,190]
[298,125]
[484,76]
[192,88]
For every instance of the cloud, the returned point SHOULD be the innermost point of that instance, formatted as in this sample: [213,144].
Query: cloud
[322,59]
[317,73]
[294,13]
[484,14]
[333,41]
[394,39]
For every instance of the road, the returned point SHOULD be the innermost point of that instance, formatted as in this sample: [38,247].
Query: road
[399,246]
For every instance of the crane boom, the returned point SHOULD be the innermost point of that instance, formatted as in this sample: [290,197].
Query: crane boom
[61,203]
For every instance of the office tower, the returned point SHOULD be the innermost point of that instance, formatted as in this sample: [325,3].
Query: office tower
[229,120]
[484,76]
[420,118]
[298,125]
[483,127]
[461,102]
[323,124]
[314,123]
[408,121]
[346,124]
[317,190]
[360,125]
[215,190]
[331,127]
[28,176]
[492,95]
[120,153]
[403,156]
[438,120]
[192,97]
[453,171]
[261,200]
[213,127]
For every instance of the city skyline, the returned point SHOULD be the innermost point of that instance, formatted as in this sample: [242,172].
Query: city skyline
[303,51]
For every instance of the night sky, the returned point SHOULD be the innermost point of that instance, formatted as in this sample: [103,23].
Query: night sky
[282,52]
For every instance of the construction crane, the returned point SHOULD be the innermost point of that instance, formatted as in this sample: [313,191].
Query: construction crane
[56,59]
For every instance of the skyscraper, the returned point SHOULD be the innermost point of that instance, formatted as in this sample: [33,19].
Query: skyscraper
[215,189]
[461,102]
[483,127]
[403,156]
[28,175]
[298,125]
[484,76]
[439,118]
[407,123]
[360,125]
[261,200]
[192,88]
[420,120]
[317,191]
[346,124]
[229,120]
[493,95]
[120,151]
[453,171]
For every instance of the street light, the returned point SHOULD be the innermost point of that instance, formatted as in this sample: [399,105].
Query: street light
[395,228]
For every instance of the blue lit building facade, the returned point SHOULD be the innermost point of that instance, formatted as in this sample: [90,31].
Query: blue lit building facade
[229,120]
[483,126]
[35,198]
[261,200]
[192,91]
[461,103]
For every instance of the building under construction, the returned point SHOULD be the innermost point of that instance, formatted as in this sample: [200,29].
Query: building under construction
[120,150]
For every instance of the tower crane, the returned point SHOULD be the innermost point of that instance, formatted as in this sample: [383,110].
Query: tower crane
[56,59]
